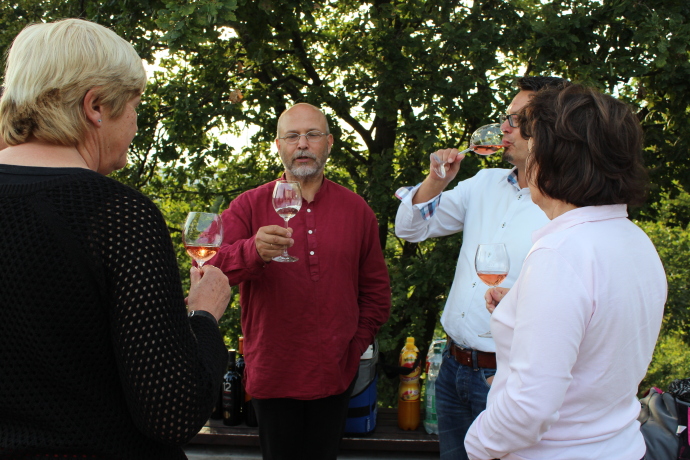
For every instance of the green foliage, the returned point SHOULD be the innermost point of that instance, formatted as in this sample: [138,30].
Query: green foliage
[397,79]
[671,236]
[671,361]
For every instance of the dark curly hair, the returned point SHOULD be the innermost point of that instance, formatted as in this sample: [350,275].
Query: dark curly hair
[586,147]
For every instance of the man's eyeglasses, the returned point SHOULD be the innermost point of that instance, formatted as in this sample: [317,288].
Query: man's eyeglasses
[512,119]
[311,136]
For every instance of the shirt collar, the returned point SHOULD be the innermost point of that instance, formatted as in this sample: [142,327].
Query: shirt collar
[512,178]
[324,184]
[580,216]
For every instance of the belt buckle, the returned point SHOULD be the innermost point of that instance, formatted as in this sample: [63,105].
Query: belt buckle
[474,355]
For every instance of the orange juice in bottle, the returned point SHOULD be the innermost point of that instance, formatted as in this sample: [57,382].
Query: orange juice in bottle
[408,394]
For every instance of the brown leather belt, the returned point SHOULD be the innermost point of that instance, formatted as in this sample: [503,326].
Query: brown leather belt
[472,358]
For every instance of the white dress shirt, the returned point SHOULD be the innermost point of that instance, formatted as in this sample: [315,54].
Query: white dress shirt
[574,337]
[488,208]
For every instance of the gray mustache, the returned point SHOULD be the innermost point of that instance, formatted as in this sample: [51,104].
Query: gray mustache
[304,155]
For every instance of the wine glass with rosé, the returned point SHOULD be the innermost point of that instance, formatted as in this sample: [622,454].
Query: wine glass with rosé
[492,265]
[202,235]
[287,201]
[484,141]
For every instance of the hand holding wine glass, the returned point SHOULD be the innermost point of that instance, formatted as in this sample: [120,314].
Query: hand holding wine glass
[485,140]
[287,201]
[202,236]
[492,265]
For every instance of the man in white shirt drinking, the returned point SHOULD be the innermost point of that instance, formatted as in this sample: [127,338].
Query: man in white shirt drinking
[494,206]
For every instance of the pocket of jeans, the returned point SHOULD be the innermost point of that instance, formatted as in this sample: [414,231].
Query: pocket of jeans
[486,373]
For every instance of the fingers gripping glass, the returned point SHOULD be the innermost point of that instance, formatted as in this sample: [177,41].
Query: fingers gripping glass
[311,136]
[512,119]
[484,141]
[492,265]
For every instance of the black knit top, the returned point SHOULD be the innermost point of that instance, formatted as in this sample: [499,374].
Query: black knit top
[98,358]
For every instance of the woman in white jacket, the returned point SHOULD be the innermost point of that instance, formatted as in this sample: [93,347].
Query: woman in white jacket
[575,334]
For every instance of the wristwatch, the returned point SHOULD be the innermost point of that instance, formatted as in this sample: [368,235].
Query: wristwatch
[202,313]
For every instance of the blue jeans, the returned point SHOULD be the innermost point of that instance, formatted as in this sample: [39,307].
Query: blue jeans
[460,396]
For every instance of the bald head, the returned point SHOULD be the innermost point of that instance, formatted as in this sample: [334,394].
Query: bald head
[302,111]
[304,158]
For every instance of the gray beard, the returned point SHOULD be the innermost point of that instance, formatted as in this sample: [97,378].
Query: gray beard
[306,171]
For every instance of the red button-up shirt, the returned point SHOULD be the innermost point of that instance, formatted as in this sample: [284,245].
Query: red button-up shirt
[306,323]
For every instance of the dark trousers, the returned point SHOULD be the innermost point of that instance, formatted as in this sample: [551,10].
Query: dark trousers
[292,429]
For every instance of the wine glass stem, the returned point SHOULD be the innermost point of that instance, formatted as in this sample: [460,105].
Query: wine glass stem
[285,253]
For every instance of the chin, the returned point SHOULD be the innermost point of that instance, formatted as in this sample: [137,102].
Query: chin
[305,172]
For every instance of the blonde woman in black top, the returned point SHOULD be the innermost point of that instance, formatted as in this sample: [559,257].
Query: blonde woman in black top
[98,357]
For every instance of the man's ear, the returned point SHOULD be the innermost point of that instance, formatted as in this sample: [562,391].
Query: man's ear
[92,107]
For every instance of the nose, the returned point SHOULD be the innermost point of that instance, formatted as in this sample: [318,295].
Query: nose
[302,143]
[505,127]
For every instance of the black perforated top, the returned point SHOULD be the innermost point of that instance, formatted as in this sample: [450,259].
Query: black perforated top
[98,358]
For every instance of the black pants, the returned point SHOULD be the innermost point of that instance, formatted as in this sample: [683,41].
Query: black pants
[292,429]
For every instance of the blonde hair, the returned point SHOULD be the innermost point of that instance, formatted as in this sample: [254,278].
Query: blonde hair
[51,67]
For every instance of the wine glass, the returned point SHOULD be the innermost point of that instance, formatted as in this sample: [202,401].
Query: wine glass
[287,201]
[202,235]
[484,141]
[492,265]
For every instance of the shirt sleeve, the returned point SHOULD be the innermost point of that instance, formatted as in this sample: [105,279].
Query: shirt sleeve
[238,257]
[374,297]
[442,215]
[170,366]
[552,313]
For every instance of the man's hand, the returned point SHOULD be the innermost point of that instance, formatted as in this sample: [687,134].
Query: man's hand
[493,296]
[434,184]
[271,240]
[450,158]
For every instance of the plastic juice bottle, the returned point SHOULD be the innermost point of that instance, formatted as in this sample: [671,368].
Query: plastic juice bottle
[408,394]
[434,359]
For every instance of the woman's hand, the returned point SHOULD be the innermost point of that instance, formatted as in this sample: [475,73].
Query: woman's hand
[209,291]
[493,296]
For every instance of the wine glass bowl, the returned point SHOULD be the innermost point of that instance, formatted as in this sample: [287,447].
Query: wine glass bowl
[287,201]
[486,140]
[492,265]
[202,235]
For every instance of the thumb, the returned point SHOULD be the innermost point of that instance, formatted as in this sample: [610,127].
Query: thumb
[195,275]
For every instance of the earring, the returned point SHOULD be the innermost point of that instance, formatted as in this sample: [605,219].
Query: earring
[99,121]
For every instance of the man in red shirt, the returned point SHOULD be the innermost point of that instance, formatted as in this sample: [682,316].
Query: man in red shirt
[305,323]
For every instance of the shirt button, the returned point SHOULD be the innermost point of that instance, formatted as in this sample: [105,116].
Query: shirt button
[504,225]
[310,232]
[308,210]
[462,315]
[474,284]
[311,253]
[519,196]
